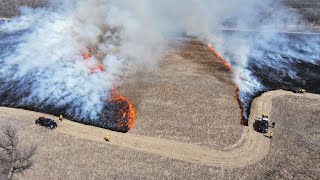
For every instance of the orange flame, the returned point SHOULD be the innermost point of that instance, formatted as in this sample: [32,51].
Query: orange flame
[236,96]
[128,111]
[85,55]
[224,62]
[97,68]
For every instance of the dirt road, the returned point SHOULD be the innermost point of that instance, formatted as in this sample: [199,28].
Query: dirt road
[4,19]
[250,148]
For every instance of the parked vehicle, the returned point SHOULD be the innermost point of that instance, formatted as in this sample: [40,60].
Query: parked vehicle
[299,90]
[47,122]
[264,124]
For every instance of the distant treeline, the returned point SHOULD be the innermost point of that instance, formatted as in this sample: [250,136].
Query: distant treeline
[9,8]
[309,9]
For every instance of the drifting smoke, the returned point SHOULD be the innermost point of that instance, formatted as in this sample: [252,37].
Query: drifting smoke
[266,52]
[41,51]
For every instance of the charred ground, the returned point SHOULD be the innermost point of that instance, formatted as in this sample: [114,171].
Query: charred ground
[293,153]
[290,72]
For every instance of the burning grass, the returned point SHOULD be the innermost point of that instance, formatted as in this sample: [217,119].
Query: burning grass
[118,114]
[236,94]
[125,112]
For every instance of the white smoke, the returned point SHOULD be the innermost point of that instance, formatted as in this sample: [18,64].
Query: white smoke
[45,69]
[125,37]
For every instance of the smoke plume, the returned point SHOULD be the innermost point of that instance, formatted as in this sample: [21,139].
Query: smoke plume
[41,50]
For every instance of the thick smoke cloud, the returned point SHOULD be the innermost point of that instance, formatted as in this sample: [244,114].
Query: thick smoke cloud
[42,67]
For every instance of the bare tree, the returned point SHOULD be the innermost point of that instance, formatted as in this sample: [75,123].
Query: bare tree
[14,157]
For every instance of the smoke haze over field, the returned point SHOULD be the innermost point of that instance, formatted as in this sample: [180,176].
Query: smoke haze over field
[42,67]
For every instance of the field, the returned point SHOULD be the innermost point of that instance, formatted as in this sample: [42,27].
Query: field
[166,148]
[189,98]
[11,8]
[309,9]
[187,125]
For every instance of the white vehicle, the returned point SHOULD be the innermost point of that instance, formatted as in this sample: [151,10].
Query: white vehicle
[299,90]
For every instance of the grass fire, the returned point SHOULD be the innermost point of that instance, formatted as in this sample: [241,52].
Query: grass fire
[120,89]
[118,113]
[236,96]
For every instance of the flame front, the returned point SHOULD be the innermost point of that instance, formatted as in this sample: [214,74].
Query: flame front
[125,112]
[85,55]
[224,62]
[236,94]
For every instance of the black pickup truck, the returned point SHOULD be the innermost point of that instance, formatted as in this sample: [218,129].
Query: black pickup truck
[264,124]
[49,123]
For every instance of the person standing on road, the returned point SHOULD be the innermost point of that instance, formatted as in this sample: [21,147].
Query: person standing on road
[271,134]
[107,137]
[273,124]
[61,117]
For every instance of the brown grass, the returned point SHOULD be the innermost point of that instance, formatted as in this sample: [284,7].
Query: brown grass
[308,9]
[293,154]
[189,99]
[9,8]
[294,148]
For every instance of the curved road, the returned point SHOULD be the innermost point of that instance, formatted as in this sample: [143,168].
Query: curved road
[251,147]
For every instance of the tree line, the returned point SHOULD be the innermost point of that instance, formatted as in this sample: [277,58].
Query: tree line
[9,8]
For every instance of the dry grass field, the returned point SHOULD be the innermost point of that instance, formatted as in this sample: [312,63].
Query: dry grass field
[293,151]
[9,8]
[189,98]
[309,9]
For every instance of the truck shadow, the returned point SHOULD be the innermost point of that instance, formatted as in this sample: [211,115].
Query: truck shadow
[267,136]
[256,124]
